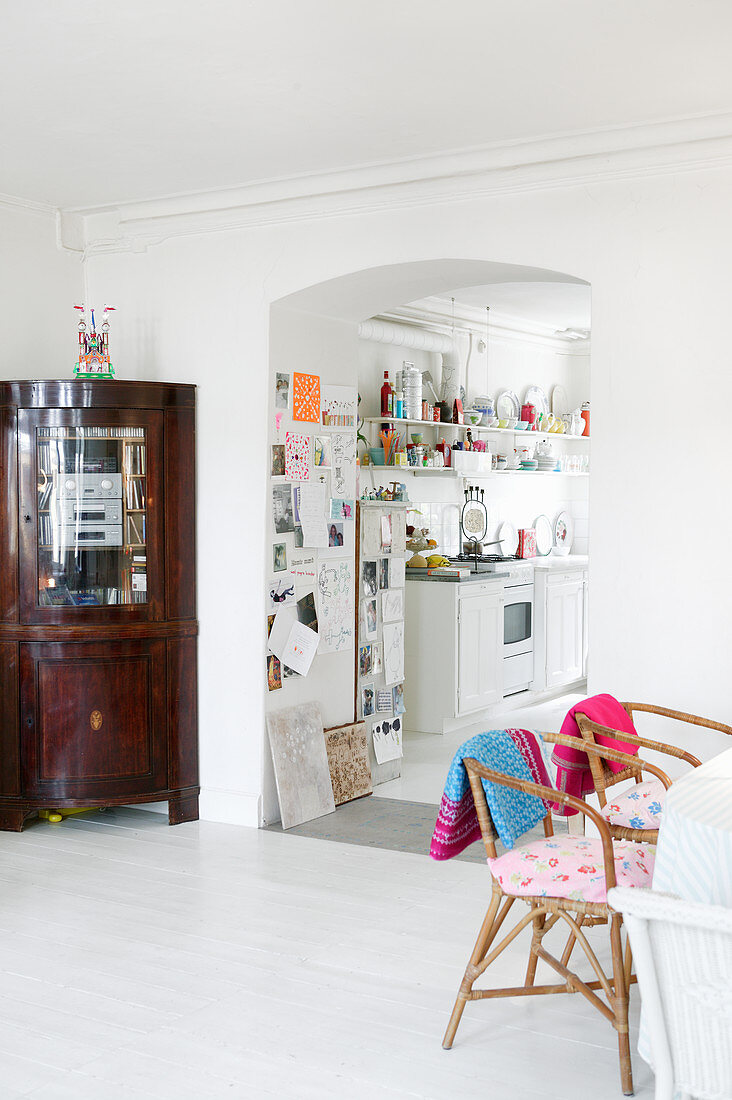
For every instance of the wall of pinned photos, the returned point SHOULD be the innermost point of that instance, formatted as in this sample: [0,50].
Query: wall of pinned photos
[381,544]
[311,591]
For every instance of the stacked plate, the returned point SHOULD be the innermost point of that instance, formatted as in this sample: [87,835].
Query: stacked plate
[412,383]
[546,462]
[529,464]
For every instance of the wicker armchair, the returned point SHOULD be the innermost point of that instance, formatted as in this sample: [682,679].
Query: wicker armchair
[603,778]
[683,956]
[549,906]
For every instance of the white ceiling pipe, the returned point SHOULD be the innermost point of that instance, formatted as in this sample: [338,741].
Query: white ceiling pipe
[406,336]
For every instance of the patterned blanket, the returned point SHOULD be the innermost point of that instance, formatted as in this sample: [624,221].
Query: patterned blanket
[520,753]
[573,766]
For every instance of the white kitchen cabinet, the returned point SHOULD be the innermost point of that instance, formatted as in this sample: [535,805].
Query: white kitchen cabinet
[453,652]
[480,651]
[560,654]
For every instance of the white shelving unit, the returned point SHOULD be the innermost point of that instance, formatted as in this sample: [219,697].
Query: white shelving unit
[441,427]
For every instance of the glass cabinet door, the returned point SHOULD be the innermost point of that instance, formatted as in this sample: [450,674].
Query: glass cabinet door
[92,509]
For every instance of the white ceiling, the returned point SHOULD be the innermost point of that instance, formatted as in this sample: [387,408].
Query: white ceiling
[559,304]
[108,102]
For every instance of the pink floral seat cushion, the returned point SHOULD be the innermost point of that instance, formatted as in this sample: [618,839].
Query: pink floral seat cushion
[570,867]
[640,807]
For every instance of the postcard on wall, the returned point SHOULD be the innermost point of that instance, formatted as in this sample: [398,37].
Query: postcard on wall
[322,451]
[282,391]
[368,578]
[281,592]
[376,664]
[301,647]
[278,460]
[367,700]
[364,660]
[335,605]
[297,456]
[370,533]
[383,699]
[398,699]
[370,620]
[342,509]
[387,738]
[386,534]
[383,572]
[343,477]
[339,406]
[396,572]
[282,509]
[274,673]
[303,566]
[279,557]
[306,612]
[392,605]
[393,652]
[306,397]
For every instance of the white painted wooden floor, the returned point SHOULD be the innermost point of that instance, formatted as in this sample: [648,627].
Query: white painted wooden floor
[206,961]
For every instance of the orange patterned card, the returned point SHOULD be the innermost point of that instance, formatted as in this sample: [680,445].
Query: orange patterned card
[306,397]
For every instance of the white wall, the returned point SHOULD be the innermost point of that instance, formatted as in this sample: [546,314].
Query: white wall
[39,286]
[656,252]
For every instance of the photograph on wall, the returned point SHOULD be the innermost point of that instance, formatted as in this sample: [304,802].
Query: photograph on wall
[274,673]
[364,660]
[306,612]
[282,391]
[384,573]
[383,700]
[335,534]
[281,593]
[367,700]
[370,619]
[398,699]
[376,663]
[278,460]
[368,578]
[282,509]
[299,542]
[270,623]
[306,397]
[279,557]
[297,456]
[342,509]
[339,406]
[322,451]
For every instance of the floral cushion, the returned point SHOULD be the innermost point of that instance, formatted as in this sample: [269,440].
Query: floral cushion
[640,807]
[570,867]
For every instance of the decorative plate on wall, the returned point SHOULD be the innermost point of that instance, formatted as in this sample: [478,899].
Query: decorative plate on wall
[564,531]
[560,401]
[544,535]
[507,405]
[508,535]
[536,396]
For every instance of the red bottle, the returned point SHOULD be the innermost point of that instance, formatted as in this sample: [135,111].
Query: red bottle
[387,397]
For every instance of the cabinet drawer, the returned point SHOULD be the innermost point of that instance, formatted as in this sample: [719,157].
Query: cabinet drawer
[477,588]
[93,717]
[564,576]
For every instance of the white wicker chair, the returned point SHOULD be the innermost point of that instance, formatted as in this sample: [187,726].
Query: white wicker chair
[683,959]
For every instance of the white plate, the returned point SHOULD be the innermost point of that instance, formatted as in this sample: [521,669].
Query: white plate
[508,405]
[536,396]
[508,535]
[564,531]
[560,401]
[544,536]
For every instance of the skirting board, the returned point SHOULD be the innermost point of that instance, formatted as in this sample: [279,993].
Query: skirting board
[225,807]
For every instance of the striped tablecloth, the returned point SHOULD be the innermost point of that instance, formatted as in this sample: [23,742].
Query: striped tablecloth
[694,855]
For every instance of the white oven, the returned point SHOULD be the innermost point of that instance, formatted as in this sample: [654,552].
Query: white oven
[518,628]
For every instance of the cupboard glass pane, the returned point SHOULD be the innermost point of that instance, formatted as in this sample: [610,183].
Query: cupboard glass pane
[92,513]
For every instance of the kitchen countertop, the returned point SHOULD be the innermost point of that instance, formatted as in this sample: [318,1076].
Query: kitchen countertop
[556,561]
[421,575]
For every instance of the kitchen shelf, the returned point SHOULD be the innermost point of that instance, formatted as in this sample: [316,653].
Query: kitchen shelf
[421,471]
[464,427]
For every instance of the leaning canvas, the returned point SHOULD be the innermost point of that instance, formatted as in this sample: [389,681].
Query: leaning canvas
[300,761]
[348,758]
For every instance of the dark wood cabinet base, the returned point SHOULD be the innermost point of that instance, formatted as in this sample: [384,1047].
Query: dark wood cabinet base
[183,809]
[182,806]
[13,820]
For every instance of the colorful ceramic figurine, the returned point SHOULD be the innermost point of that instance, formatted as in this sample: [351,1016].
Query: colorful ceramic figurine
[94,361]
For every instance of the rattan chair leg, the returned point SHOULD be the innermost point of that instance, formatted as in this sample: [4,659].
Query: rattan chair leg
[620,1006]
[628,962]
[485,937]
[539,923]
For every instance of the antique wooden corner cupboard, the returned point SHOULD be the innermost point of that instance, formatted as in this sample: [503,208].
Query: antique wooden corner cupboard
[97,597]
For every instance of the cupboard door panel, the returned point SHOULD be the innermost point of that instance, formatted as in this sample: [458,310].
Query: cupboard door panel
[95,715]
[480,679]
[564,616]
[9,736]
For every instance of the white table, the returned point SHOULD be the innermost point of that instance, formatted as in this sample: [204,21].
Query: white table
[694,855]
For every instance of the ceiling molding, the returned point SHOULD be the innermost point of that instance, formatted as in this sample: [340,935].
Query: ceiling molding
[436,314]
[550,163]
[13,202]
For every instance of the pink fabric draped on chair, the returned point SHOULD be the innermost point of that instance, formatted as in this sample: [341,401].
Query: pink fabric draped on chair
[573,768]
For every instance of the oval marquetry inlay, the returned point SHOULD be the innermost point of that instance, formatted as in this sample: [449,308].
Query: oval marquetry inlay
[96,719]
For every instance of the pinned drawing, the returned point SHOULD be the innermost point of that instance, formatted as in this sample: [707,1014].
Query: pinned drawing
[297,456]
[392,604]
[348,760]
[335,606]
[387,738]
[396,572]
[343,475]
[393,652]
[339,405]
[370,533]
[383,700]
[306,397]
[297,741]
